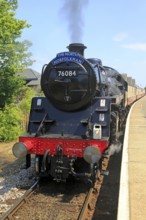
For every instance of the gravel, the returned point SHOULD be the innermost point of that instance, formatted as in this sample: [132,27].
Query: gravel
[14,180]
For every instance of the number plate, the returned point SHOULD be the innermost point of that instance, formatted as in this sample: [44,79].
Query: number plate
[67,73]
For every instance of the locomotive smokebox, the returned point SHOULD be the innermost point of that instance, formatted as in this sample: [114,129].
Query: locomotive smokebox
[77,47]
[69,81]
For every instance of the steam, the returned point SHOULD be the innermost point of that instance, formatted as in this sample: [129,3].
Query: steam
[115,148]
[72,11]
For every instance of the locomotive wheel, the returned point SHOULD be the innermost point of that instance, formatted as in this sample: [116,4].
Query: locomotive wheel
[38,164]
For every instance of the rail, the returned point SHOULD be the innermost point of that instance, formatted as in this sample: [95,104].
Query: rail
[9,214]
[89,205]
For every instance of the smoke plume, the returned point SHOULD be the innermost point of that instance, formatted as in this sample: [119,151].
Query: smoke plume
[72,11]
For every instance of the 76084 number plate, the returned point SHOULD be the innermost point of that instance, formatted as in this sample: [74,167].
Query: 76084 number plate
[67,73]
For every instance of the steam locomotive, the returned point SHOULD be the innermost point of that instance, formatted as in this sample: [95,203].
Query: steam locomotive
[72,127]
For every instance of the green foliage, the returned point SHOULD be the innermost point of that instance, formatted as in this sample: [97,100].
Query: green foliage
[10,123]
[26,100]
[14,58]
[14,117]
[25,105]
[14,55]
[10,87]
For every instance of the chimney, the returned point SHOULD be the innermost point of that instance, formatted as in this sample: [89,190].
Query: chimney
[77,47]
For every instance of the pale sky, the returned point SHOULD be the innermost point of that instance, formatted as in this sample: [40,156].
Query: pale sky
[112,30]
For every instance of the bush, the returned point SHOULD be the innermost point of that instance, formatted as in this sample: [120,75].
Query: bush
[10,123]
[14,117]
[25,105]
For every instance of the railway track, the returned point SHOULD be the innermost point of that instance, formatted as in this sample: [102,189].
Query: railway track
[75,201]
[89,204]
[9,214]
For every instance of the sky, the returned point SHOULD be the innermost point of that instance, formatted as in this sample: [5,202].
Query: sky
[112,30]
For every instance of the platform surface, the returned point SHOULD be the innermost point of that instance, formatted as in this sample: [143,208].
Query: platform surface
[137,161]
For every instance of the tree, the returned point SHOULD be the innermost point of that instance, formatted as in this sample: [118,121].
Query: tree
[14,55]
[14,117]
[25,104]
[10,123]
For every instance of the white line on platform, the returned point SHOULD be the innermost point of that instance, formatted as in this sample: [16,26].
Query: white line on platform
[123,203]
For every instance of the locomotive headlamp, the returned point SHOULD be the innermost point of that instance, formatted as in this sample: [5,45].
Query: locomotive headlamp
[19,150]
[91,154]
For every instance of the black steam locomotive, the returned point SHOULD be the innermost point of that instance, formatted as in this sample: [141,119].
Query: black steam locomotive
[71,128]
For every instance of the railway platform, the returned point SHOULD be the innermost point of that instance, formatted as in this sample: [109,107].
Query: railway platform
[132,195]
